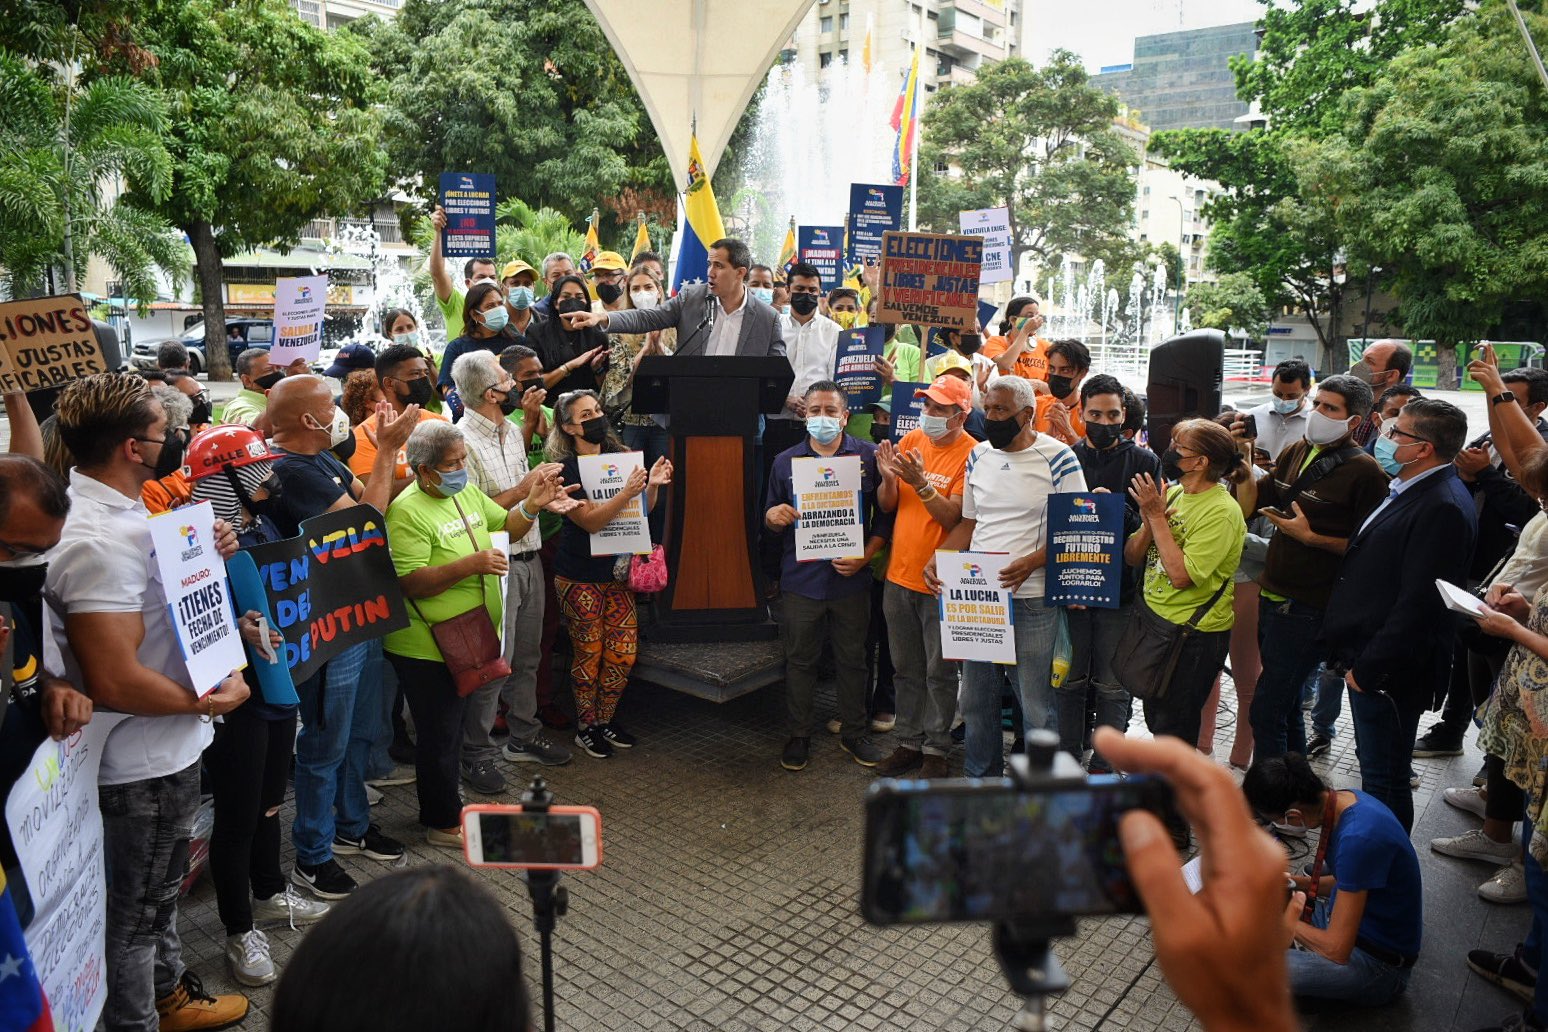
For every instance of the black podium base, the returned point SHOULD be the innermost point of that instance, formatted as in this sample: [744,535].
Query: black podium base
[686,633]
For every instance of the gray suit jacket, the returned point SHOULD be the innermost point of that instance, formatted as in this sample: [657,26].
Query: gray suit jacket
[761,333]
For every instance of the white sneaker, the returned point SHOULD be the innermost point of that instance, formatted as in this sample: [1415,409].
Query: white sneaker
[1507,886]
[396,776]
[1475,845]
[288,907]
[248,955]
[373,795]
[1469,800]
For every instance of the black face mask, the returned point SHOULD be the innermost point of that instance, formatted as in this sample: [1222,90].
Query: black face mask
[880,433]
[511,402]
[1001,432]
[607,293]
[1060,386]
[573,304]
[170,460]
[594,430]
[1169,468]
[803,304]
[969,344]
[201,409]
[345,450]
[419,391]
[1103,435]
[267,381]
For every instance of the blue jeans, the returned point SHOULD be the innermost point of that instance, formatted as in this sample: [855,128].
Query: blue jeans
[1287,643]
[1385,729]
[373,710]
[984,744]
[1361,980]
[1329,705]
[1537,897]
[330,760]
[1094,636]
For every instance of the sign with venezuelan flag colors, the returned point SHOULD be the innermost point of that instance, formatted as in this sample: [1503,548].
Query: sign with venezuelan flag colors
[975,609]
[1085,550]
[602,478]
[827,499]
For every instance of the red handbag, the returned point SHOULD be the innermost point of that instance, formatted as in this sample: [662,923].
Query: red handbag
[469,642]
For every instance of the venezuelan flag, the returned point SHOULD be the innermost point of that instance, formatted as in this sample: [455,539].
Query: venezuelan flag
[905,119]
[701,222]
[23,1006]
[593,245]
[641,239]
[787,252]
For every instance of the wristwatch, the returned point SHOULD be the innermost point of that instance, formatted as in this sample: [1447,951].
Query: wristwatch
[1502,397]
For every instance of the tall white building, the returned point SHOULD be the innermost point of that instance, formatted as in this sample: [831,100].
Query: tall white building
[330,14]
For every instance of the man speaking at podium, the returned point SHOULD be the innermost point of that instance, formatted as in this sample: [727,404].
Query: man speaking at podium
[718,318]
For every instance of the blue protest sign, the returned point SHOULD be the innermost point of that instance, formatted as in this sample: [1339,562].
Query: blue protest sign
[469,201]
[823,248]
[873,210]
[986,313]
[905,408]
[854,365]
[1085,550]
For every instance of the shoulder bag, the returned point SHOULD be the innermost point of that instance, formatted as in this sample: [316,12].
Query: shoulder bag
[469,643]
[1150,646]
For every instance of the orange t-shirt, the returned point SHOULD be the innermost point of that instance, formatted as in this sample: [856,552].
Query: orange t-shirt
[1031,364]
[364,458]
[915,534]
[166,494]
[1044,424]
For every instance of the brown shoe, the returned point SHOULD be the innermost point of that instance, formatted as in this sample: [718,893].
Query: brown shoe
[190,1007]
[934,767]
[902,761]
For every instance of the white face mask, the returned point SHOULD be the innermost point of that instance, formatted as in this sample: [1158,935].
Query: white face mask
[1323,430]
[644,298]
[339,429]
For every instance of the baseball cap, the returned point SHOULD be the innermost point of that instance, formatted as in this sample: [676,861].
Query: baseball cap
[349,358]
[610,261]
[883,403]
[516,267]
[951,361]
[948,390]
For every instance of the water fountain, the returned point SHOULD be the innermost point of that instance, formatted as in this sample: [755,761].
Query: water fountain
[392,281]
[1158,306]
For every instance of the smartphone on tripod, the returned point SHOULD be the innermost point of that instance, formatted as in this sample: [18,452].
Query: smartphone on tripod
[562,838]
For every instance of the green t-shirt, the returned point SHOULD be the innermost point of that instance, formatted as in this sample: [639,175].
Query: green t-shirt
[549,524]
[451,311]
[426,531]
[1210,531]
[905,366]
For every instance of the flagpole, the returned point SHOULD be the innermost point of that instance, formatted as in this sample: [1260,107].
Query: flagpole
[913,156]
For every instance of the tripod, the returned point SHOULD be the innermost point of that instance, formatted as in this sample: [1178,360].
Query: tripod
[550,900]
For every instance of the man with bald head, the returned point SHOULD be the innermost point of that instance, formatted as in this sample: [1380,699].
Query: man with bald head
[1383,364]
[332,816]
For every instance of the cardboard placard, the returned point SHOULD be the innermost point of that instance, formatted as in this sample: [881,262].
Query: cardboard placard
[46,342]
[930,279]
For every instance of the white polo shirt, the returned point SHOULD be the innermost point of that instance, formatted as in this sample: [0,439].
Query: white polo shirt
[1007,493]
[105,563]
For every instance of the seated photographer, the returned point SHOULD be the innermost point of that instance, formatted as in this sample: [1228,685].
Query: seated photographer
[1359,943]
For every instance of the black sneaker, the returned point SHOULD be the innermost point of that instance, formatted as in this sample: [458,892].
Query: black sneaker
[795,754]
[616,736]
[594,742]
[1437,742]
[326,880]
[864,750]
[1506,970]
[372,844]
[1319,745]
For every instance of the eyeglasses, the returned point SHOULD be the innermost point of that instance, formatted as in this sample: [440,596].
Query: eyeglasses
[1391,430]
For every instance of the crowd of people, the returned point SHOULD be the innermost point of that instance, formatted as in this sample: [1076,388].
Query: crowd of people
[1299,542]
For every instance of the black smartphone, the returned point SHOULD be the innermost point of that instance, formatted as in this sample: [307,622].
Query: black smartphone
[1250,427]
[1281,513]
[975,851]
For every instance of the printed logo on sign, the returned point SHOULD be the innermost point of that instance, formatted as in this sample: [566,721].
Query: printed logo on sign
[1085,505]
[819,236]
[877,196]
[190,537]
[1085,511]
[828,473]
[610,471]
[303,293]
[465,182]
[975,574]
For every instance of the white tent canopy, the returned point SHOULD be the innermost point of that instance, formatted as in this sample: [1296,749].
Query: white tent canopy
[697,58]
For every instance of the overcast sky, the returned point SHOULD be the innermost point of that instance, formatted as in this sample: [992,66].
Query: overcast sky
[1102,31]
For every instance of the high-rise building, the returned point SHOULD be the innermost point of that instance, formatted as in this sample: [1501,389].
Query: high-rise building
[1183,80]
[330,14]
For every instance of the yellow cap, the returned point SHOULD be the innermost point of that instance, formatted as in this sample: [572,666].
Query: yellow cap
[516,267]
[609,260]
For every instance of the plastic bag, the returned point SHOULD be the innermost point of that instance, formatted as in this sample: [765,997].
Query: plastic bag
[1063,653]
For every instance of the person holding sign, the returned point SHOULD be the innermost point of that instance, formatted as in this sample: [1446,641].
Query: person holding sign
[113,633]
[447,297]
[1004,509]
[825,600]
[439,527]
[598,609]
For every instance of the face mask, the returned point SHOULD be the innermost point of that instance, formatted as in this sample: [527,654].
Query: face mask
[846,320]
[170,460]
[645,298]
[201,410]
[573,304]
[880,433]
[803,304]
[495,319]
[935,427]
[267,381]
[1361,370]
[511,402]
[1103,436]
[764,294]
[1386,455]
[1001,432]
[1060,386]
[970,343]
[1285,406]
[824,429]
[607,293]
[520,298]
[594,430]
[410,339]
[453,482]
[1169,464]
[1322,430]
[419,391]
[338,430]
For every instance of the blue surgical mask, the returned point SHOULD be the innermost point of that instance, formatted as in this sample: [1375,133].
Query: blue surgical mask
[764,294]
[935,427]
[1285,406]
[1386,454]
[411,338]
[495,319]
[453,482]
[520,298]
[824,429]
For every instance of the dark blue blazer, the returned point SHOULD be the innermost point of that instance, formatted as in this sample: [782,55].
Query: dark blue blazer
[1385,620]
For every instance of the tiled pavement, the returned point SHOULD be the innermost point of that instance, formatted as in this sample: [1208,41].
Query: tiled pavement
[728,902]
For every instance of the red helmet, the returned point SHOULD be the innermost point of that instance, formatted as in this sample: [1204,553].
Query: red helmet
[214,449]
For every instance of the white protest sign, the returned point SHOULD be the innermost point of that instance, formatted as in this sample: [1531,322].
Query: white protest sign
[500,541]
[975,610]
[993,224]
[298,318]
[827,495]
[57,831]
[193,576]
[602,477]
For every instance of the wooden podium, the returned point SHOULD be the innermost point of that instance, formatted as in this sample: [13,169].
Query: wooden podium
[715,589]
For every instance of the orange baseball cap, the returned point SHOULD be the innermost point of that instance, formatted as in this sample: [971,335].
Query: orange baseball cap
[948,390]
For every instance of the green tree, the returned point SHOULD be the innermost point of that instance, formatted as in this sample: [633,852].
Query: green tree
[1038,140]
[273,124]
[1234,303]
[529,90]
